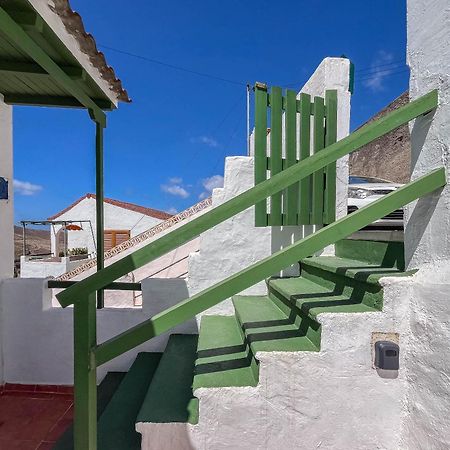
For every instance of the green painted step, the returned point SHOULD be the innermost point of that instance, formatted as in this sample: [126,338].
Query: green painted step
[169,397]
[268,328]
[116,427]
[385,254]
[312,298]
[223,357]
[105,392]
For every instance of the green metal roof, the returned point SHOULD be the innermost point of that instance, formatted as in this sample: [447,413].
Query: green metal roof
[24,82]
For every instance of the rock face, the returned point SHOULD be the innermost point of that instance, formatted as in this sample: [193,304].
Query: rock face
[389,156]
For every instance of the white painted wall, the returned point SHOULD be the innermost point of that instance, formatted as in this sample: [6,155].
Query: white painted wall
[44,268]
[6,206]
[427,424]
[37,338]
[238,242]
[116,218]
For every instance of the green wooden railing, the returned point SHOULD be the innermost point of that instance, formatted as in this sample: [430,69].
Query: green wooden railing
[89,354]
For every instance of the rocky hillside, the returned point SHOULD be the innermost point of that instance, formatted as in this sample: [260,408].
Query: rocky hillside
[388,157]
[38,241]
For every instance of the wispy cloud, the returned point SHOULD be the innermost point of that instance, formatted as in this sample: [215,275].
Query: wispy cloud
[172,210]
[26,188]
[205,140]
[380,70]
[174,187]
[216,181]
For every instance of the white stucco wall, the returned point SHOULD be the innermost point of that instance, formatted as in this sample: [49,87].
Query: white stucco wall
[43,268]
[6,206]
[238,242]
[116,218]
[37,338]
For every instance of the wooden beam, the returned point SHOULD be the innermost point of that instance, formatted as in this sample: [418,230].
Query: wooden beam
[30,68]
[53,100]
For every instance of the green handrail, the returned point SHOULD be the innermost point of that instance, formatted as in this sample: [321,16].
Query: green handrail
[236,283]
[263,190]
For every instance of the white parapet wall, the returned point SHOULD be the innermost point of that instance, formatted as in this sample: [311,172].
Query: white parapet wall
[37,339]
[237,243]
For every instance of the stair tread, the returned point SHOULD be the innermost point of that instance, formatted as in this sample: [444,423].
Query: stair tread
[353,268]
[169,397]
[267,328]
[223,358]
[314,299]
[116,426]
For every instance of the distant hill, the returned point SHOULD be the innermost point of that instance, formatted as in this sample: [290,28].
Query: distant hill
[388,157]
[38,241]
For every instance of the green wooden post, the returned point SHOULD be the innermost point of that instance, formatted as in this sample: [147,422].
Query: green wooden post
[305,136]
[329,212]
[276,166]
[99,194]
[260,149]
[290,121]
[319,142]
[85,374]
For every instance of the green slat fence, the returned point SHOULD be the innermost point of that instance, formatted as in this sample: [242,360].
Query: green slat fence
[313,199]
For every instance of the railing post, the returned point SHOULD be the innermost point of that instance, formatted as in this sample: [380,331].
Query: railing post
[85,374]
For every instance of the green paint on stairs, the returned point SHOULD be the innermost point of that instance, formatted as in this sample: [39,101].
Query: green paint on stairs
[312,298]
[268,328]
[223,358]
[105,392]
[116,427]
[169,397]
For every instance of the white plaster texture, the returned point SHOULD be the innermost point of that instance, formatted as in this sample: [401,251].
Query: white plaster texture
[428,55]
[43,268]
[6,206]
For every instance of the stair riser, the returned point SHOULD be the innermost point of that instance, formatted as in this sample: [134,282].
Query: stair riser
[254,364]
[368,293]
[386,254]
[313,328]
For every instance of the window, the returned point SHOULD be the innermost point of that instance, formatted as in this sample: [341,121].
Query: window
[115,237]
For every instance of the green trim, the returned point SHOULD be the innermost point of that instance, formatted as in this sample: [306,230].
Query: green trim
[260,192]
[236,283]
[318,176]
[116,286]
[99,207]
[18,35]
[52,101]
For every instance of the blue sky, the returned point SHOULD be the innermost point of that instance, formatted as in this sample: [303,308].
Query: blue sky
[167,148]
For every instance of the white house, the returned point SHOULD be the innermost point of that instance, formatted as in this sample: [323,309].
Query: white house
[123,221]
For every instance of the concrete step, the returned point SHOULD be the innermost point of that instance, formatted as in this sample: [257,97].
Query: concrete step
[389,254]
[223,356]
[116,427]
[311,298]
[169,398]
[267,328]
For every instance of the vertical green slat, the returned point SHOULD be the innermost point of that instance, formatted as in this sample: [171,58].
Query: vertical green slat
[99,194]
[260,150]
[291,201]
[276,113]
[318,177]
[85,375]
[305,143]
[329,214]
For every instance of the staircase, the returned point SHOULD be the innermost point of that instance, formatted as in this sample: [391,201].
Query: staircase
[156,397]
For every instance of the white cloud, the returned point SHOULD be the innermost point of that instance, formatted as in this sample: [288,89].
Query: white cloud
[216,181]
[206,140]
[172,210]
[26,188]
[380,70]
[174,187]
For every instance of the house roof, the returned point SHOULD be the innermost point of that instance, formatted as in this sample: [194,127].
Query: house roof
[157,214]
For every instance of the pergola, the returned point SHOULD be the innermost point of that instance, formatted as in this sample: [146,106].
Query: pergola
[48,59]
